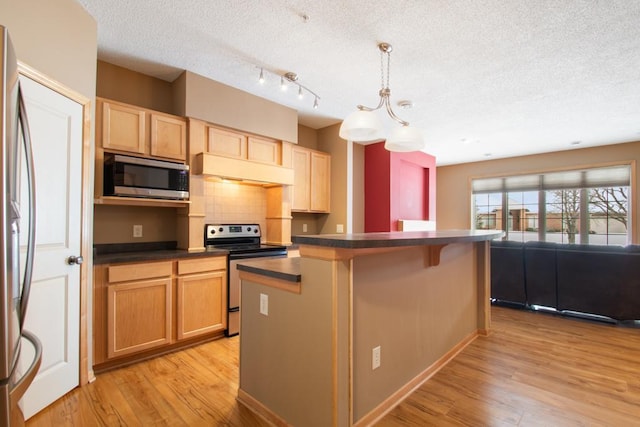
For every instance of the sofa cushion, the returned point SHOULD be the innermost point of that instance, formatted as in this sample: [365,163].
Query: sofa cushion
[540,273]
[602,280]
[507,272]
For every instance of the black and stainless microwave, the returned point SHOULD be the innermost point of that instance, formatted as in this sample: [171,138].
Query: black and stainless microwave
[140,177]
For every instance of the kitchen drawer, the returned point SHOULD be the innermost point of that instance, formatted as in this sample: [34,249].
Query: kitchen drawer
[139,271]
[199,265]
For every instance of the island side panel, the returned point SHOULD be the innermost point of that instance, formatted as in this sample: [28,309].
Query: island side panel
[484,287]
[416,314]
[294,361]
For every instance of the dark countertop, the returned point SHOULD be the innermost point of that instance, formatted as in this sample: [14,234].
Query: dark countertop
[141,252]
[279,268]
[396,238]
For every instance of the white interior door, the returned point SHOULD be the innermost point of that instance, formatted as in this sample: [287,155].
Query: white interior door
[53,314]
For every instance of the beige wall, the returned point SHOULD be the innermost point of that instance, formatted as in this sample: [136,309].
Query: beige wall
[57,38]
[307,137]
[416,314]
[358,188]
[124,85]
[294,346]
[224,105]
[454,194]
[114,224]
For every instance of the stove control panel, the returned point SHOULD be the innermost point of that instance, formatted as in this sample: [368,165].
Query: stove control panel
[218,231]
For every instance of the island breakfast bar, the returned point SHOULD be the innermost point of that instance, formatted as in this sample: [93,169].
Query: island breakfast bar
[342,334]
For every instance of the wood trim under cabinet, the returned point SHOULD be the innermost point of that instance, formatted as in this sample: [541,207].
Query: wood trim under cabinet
[140,201]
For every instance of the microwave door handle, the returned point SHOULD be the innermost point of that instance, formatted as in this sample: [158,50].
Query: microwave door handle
[31,242]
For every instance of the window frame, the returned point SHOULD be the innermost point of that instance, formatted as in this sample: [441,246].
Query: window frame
[587,178]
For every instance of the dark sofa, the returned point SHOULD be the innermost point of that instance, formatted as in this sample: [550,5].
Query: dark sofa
[572,279]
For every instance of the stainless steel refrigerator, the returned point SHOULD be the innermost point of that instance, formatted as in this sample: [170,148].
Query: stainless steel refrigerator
[17,216]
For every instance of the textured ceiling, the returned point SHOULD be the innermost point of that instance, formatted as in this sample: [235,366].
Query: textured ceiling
[488,78]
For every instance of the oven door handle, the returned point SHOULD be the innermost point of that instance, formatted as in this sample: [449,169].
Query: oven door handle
[253,255]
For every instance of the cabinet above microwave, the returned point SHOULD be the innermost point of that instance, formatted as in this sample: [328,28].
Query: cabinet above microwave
[140,132]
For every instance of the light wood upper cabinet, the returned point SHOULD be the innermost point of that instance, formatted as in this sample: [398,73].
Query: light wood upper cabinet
[130,130]
[168,137]
[312,180]
[226,143]
[141,132]
[237,145]
[301,179]
[320,182]
[123,128]
[264,150]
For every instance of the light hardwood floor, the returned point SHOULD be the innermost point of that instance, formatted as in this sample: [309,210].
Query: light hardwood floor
[534,369]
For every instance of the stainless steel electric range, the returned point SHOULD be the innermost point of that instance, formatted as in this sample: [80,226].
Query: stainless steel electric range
[243,242]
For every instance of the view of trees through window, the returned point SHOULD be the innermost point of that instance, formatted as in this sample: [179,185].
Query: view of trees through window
[595,215]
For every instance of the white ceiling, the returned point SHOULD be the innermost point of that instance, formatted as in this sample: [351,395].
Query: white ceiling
[488,78]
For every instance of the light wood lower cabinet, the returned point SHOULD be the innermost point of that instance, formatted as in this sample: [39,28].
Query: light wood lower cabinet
[138,316]
[146,308]
[202,297]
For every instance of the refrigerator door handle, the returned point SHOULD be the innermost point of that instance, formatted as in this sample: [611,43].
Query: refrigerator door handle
[31,243]
[20,387]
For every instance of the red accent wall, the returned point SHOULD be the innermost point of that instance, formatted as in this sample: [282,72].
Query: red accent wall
[397,186]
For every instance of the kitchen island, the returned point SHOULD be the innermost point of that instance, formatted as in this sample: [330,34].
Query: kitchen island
[368,318]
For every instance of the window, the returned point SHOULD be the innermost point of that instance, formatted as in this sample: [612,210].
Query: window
[582,206]
[487,208]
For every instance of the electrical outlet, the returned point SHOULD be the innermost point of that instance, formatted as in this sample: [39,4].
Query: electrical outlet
[339,228]
[304,228]
[264,304]
[375,358]
[137,231]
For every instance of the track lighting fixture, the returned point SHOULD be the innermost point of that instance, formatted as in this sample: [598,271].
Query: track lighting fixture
[287,79]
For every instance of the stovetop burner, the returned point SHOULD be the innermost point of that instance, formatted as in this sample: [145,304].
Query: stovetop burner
[239,239]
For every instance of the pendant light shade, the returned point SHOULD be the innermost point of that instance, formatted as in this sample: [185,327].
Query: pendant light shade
[361,126]
[405,139]
[364,125]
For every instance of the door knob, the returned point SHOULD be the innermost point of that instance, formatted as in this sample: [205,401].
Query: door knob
[75,260]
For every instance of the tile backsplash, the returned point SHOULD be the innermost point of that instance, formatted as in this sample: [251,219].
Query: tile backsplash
[230,202]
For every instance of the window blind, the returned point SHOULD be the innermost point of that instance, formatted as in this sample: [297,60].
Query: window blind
[614,176]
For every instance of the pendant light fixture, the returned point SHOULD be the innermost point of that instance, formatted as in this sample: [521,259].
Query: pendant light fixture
[364,125]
